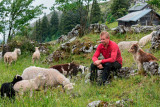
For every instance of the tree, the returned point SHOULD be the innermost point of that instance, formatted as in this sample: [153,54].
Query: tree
[39,31]
[24,31]
[119,8]
[154,3]
[68,21]
[45,28]
[54,24]
[81,5]
[19,13]
[95,12]
[3,19]
[109,18]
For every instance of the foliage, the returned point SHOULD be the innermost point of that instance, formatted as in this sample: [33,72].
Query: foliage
[68,21]
[56,36]
[38,31]
[110,18]
[119,8]
[25,31]
[155,3]
[23,43]
[54,23]
[95,16]
[17,13]
[45,28]
[80,5]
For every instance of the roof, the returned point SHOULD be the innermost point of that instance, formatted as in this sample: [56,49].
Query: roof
[134,16]
[138,6]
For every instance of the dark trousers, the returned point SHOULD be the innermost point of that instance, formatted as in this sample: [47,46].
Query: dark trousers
[107,68]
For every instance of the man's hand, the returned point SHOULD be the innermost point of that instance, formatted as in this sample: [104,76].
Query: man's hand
[97,62]
[100,66]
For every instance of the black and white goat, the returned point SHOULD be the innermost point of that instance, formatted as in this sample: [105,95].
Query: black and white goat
[70,69]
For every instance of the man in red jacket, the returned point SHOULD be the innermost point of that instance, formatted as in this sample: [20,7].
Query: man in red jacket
[112,58]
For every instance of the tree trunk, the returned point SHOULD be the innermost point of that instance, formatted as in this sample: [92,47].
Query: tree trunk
[3,51]
[9,35]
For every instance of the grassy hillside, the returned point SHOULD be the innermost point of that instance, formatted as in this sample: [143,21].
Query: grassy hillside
[142,91]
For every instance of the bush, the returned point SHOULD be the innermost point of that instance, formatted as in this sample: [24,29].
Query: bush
[110,18]
[21,42]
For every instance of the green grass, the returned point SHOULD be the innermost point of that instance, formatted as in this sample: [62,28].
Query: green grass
[142,91]
[113,25]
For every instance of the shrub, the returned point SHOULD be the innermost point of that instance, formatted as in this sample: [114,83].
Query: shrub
[21,42]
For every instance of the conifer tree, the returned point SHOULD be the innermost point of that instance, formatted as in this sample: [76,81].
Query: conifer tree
[54,24]
[36,31]
[68,21]
[95,12]
[119,8]
[45,28]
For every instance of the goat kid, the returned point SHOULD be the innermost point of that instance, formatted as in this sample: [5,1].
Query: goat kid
[36,54]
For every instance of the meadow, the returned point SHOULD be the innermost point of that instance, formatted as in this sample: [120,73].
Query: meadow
[141,91]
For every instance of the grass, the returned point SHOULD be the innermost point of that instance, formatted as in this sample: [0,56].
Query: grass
[113,25]
[142,91]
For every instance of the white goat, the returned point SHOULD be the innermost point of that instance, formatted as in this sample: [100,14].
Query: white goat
[29,85]
[126,44]
[54,77]
[36,54]
[9,57]
[144,40]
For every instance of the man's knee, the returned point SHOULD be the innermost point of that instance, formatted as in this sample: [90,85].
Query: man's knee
[93,66]
[107,65]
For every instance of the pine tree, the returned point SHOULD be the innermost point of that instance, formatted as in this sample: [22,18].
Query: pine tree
[119,8]
[37,31]
[45,28]
[54,24]
[95,16]
[69,20]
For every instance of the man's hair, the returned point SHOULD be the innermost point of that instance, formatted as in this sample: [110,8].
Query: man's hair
[105,33]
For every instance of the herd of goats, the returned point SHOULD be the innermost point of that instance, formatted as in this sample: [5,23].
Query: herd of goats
[37,78]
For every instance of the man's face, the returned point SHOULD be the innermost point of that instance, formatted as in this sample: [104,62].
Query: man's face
[104,40]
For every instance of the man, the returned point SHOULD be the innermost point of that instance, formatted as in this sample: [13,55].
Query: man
[112,61]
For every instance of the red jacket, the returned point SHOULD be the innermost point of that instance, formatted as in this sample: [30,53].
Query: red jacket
[111,54]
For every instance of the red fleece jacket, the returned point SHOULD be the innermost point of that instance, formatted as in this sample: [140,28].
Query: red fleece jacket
[111,54]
